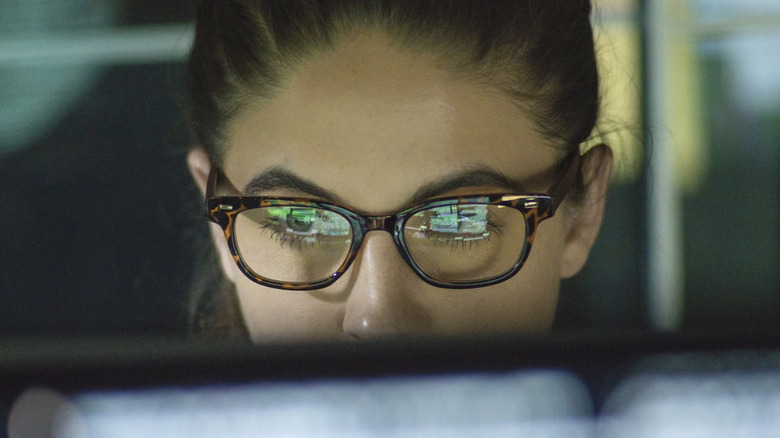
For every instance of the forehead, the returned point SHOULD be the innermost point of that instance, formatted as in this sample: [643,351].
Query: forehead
[372,124]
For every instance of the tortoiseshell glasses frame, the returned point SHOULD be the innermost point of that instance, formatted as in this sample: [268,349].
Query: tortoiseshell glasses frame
[223,210]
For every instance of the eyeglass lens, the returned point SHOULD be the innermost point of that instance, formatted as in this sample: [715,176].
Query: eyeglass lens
[293,244]
[454,243]
[466,242]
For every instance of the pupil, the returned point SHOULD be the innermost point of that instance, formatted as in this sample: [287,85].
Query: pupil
[300,220]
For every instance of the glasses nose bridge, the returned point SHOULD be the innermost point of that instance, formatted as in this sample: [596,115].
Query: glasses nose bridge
[380,223]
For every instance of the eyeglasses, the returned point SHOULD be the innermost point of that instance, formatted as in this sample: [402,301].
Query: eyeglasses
[452,242]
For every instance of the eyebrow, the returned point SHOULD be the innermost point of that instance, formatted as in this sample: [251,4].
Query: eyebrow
[479,176]
[277,177]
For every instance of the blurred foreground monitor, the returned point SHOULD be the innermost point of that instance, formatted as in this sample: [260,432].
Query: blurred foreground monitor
[659,386]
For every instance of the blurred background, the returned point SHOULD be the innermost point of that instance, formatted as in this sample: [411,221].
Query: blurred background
[100,223]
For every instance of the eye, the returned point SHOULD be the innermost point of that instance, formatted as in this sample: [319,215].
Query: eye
[300,219]
[297,227]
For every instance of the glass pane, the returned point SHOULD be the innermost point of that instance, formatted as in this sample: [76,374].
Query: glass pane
[92,150]
[732,238]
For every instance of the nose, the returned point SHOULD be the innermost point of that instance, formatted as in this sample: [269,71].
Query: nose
[382,299]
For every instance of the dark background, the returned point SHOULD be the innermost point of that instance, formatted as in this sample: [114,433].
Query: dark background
[100,221]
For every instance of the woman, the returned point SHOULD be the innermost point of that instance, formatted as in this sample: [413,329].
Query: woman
[322,124]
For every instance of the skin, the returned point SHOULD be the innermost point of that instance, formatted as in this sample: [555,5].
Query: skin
[372,125]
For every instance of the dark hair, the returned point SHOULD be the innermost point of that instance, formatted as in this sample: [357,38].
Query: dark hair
[539,53]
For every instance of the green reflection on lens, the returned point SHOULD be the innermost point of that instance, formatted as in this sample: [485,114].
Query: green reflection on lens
[306,219]
[297,219]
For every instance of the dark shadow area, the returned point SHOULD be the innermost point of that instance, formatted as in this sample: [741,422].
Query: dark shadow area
[98,215]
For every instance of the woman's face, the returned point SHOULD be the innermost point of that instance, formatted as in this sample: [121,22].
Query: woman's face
[373,126]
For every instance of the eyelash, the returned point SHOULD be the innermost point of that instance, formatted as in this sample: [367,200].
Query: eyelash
[491,228]
[291,240]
